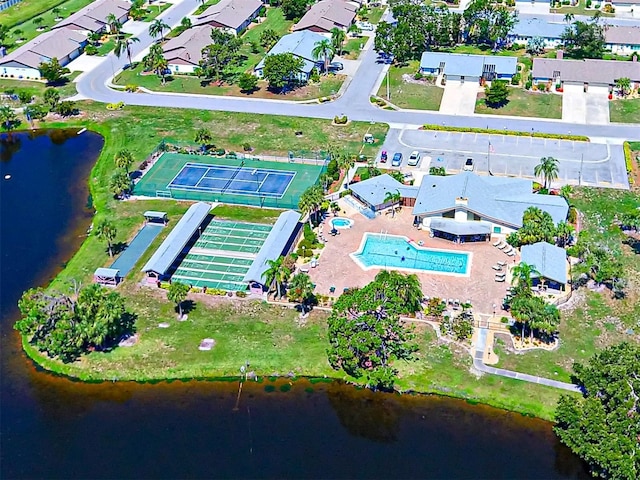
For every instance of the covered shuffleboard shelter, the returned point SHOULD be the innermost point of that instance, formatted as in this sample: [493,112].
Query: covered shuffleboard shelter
[107,276]
[152,216]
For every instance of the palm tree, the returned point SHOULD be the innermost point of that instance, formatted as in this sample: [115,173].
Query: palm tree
[120,182]
[113,23]
[406,287]
[106,231]
[56,12]
[566,191]
[204,138]
[123,159]
[123,44]
[569,17]
[345,162]
[300,290]
[154,61]
[177,294]
[337,39]
[354,29]
[522,274]
[563,232]
[157,28]
[547,169]
[624,85]
[277,272]
[323,49]
[392,198]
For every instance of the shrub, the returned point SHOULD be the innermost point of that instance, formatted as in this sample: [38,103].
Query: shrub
[131,88]
[115,106]
[340,120]
[309,234]
[528,85]
[24,96]
[572,215]
[344,193]
[66,108]
[37,111]
[315,75]
[247,147]
[588,3]
[418,76]
[241,293]
[596,6]
[91,50]
[439,171]
[218,151]
[515,80]
[143,165]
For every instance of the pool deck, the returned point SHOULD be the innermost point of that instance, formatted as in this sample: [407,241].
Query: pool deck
[336,268]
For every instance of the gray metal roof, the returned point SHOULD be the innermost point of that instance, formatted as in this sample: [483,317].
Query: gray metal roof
[538,27]
[155,214]
[167,253]
[107,272]
[466,64]
[588,70]
[374,190]
[274,245]
[549,260]
[500,199]
[449,225]
[300,44]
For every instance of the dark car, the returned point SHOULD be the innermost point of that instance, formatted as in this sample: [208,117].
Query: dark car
[336,66]
[383,156]
[397,159]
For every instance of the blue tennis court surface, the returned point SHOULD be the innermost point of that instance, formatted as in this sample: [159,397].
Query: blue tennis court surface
[258,182]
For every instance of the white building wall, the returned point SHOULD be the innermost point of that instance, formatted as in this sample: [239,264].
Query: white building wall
[185,69]
[622,49]
[20,73]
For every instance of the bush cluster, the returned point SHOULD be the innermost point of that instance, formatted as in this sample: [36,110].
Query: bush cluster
[557,136]
[340,120]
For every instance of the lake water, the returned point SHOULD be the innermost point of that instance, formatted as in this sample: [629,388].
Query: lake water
[52,427]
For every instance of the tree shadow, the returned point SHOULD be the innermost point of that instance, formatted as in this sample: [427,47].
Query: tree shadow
[188,306]
[498,105]
[634,243]
[119,247]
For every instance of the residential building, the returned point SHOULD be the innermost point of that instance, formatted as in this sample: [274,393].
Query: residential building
[528,28]
[463,205]
[23,63]
[470,68]
[233,16]
[93,17]
[622,40]
[184,52]
[328,14]
[301,45]
[588,72]
[549,261]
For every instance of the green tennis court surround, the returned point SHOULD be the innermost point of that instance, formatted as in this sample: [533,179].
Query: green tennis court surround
[244,181]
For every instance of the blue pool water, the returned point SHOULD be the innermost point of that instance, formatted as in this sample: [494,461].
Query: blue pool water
[341,222]
[391,251]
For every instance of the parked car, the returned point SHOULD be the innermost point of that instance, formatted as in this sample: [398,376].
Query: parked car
[468,165]
[414,158]
[397,159]
[383,156]
[336,66]
[365,26]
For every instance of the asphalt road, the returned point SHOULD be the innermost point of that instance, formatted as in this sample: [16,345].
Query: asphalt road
[586,163]
[354,102]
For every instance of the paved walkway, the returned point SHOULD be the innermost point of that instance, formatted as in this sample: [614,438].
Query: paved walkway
[132,253]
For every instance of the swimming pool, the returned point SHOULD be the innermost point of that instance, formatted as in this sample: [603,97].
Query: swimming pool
[341,222]
[398,252]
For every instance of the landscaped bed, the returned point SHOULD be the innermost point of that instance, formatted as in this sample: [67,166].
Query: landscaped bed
[524,104]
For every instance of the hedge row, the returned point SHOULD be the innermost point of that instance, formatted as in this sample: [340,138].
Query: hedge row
[628,160]
[493,131]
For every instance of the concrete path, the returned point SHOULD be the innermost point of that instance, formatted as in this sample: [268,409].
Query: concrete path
[597,102]
[574,104]
[459,98]
[480,365]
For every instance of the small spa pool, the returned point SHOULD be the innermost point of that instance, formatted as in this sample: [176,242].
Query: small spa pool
[341,222]
[398,252]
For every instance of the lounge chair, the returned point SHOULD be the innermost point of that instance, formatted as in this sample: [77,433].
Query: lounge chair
[502,247]
[497,243]
[508,250]
[512,253]
[501,275]
[502,264]
[500,278]
[497,267]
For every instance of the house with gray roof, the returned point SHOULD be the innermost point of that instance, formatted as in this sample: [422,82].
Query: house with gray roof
[470,68]
[549,261]
[23,63]
[93,17]
[233,16]
[622,40]
[327,14]
[184,52]
[372,192]
[527,28]
[301,45]
[603,73]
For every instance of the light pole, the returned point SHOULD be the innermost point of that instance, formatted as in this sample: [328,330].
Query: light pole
[388,90]
[580,172]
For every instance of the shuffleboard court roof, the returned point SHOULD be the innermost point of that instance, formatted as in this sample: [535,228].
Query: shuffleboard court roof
[177,239]
[273,245]
[106,272]
[155,214]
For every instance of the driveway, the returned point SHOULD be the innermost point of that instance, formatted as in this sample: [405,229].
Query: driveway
[85,63]
[459,98]
[597,102]
[532,8]
[574,104]
[586,163]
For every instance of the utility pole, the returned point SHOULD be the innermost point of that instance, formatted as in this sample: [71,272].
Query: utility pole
[489,158]
[388,91]
[580,172]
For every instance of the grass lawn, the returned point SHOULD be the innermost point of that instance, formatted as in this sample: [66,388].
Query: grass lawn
[37,88]
[410,95]
[598,320]
[246,214]
[28,29]
[352,48]
[581,9]
[525,104]
[483,50]
[327,86]
[154,10]
[204,6]
[375,14]
[625,111]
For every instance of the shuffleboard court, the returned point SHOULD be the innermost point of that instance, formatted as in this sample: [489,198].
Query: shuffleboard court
[241,181]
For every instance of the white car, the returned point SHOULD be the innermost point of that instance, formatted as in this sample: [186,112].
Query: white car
[365,26]
[414,158]
[468,165]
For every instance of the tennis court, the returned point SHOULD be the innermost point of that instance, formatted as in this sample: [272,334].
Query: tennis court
[245,181]
[222,255]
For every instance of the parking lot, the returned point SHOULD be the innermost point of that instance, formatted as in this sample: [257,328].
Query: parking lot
[585,163]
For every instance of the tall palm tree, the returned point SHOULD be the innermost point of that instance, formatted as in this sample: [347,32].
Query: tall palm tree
[277,272]
[123,159]
[123,44]
[566,191]
[204,138]
[393,198]
[337,39]
[563,232]
[106,231]
[323,49]
[157,28]
[154,61]
[522,274]
[120,182]
[547,169]
[300,290]
[177,294]
[569,17]
[113,23]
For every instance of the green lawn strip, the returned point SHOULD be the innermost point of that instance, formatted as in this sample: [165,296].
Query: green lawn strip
[625,111]
[37,88]
[581,9]
[106,47]
[246,214]
[375,14]
[29,29]
[410,95]
[154,10]
[524,104]
[353,47]
[205,5]
[483,50]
